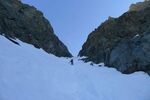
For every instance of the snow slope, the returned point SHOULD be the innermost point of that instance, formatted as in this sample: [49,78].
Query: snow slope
[27,73]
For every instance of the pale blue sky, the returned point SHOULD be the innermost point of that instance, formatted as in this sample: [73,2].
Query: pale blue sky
[73,20]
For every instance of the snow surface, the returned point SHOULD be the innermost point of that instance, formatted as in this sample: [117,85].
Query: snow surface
[27,73]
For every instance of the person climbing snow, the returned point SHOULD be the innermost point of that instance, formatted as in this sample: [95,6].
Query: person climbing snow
[71,62]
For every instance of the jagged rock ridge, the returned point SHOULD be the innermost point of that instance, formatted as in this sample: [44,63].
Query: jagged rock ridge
[139,6]
[122,43]
[26,23]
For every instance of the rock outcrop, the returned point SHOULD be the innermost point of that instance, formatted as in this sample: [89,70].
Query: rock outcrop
[122,43]
[26,23]
[139,6]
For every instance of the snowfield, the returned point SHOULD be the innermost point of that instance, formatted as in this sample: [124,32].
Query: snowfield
[27,73]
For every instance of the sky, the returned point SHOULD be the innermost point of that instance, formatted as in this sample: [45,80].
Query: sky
[73,20]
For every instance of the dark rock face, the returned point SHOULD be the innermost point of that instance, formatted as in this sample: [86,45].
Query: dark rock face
[26,23]
[122,43]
